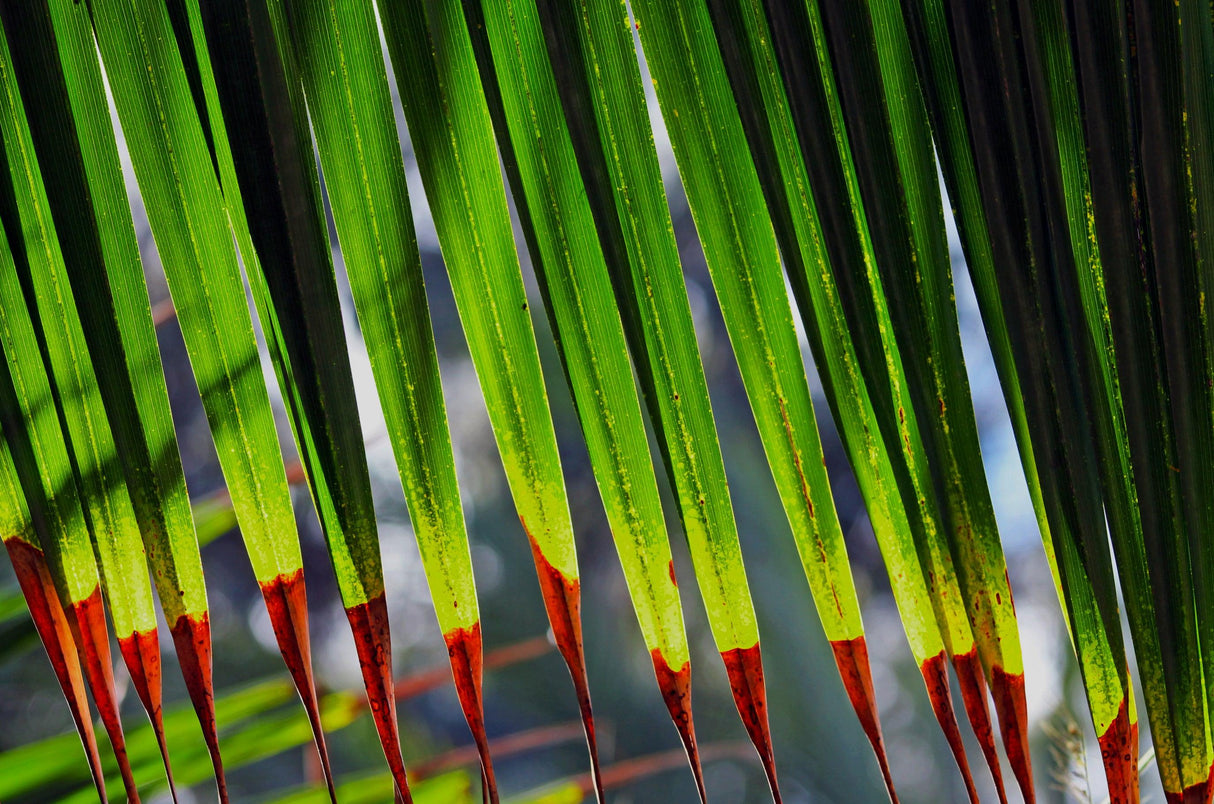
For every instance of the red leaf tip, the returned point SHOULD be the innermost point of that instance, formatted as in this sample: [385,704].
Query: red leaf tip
[287,603]
[973,695]
[563,602]
[141,653]
[1008,692]
[745,668]
[192,638]
[465,648]
[851,657]
[676,691]
[935,676]
[369,623]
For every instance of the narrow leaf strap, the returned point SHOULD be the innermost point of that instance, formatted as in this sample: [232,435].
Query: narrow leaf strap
[898,182]
[452,136]
[542,166]
[1103,41]
[57,63]
[186,211]
[34,577]
[297,300]
[35,441]
[344,78]
[77,396]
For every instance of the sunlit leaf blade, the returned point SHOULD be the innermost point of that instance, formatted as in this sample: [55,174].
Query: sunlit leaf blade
[34,440]
[1104,67]
[851,274]
[29,565]
[452,137]
[896,172]
[861,366]
[559,224]
[77,397]
[70,123]
[296,294]
[186,211]
[345,81]
[632,214]
[723,189]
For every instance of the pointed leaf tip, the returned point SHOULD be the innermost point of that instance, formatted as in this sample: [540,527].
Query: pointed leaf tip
[563,602]
[1010,705]
[466,650]
[745,668]
[369,622]
[94,642]
[141,653]
[287,603]
[676,690]
[973,695]
[851,657]
[192,638]
[935,676]
[29,565]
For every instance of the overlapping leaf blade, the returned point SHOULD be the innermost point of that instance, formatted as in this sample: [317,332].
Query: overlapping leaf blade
[76,396]
[344,78]
[1030,229]
[71,129]
[296,294]
[888,127]
[452,136]
[39,453]
[557,219]
[176,176]
[24,549]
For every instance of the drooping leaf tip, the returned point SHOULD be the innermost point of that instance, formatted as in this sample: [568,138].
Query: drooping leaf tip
[935,676]
[372,639]
[286,601]
[745,669]
[192,639]
[675,686]
[851,657]
[466,651]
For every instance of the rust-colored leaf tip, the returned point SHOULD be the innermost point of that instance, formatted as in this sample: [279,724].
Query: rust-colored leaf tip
[192,638]
[851,657]
[93,639]
[465,648]
[563,602]
[1119,752]
[745,668]
[287,602]
[369,623]
[141,653]
[973,695]
[675,686]
[29,564]
[935,676]
[1008,692]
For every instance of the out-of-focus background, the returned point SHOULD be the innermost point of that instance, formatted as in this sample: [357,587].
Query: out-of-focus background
[821,752]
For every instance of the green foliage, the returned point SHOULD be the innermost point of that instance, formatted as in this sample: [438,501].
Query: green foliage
[1075,142]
